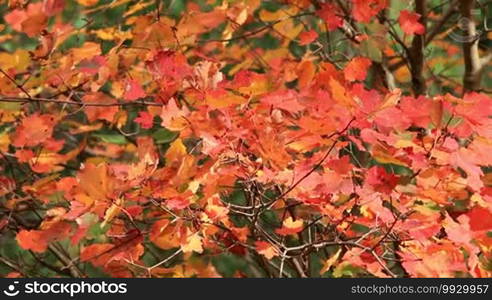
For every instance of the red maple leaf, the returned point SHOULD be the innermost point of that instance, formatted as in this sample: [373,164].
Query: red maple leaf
[480,218]
[364,10]
[381,180]
[133,91]
[307,37]
[328,13]
[145,120]
[409,22]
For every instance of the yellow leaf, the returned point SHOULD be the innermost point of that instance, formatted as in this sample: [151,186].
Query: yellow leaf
[330,261]
[402,74]
[111,33]
[383,156]
[246,63]
[117,89]
[120,118]
[4,142]
[288,29]
[81,128]
[138,6]
[176,151]
[112,211]
[242,17]
[223,99]
[87,51]
[19,60]
[258,87]
[215,210]
[193,243]
[291,224]
[268,16]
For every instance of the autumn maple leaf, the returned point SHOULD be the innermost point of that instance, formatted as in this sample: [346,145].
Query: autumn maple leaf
[381,180]
[409,23]
[34,129]
[294,135]
[38,240]
[357,68]
[289,226]
[266,249]
[145,119]
[364,10]
[133,91]
[307,37]
[328,13]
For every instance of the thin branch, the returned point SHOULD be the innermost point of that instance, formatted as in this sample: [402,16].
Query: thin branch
[437,28]
[20,87]
[69,102]
[67,261]
[167,259]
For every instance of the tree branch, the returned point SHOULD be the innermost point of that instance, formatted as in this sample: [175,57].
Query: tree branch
[474,65]
[416,52]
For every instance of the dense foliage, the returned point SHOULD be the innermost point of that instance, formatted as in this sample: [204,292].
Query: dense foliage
[246,138]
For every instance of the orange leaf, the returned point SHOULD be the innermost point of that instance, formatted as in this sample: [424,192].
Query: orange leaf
[339,93]
[38,240]
[95,181]
[34,130]
[87,2]
[357,68]
[165,235]
[305,73]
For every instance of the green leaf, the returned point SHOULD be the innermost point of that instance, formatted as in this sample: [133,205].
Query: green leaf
[359,228]
[176,7]
[112,138]
[163,136]
[227,264]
